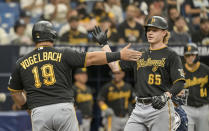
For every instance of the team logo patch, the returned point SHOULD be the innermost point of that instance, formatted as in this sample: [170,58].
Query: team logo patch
[149,62]
[189,48]
[153,20]
[181,71]
[37,35]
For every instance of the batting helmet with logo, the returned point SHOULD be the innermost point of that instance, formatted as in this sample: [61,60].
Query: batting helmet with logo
[158,22]
[191,48]
[43,31]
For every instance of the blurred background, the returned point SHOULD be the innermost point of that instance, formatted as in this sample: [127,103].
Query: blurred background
[74,21]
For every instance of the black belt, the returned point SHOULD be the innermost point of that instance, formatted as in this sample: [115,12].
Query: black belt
[145,101]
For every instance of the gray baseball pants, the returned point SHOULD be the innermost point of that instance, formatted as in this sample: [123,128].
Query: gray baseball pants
[146,118]
[54,117]
[86,124]
[197,118]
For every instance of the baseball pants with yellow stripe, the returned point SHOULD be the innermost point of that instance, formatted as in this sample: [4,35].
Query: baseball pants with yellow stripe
[145,118]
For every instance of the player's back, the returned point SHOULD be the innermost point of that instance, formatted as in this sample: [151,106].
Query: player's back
[46,77]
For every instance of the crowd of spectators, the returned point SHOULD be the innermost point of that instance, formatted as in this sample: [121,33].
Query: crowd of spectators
[124,19]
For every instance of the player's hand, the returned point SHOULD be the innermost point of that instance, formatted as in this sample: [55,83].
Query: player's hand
[159,102]
[129,54]
[107,112]
[100,36]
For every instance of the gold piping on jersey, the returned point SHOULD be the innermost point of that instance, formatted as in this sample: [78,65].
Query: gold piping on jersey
[76,118]
[169,112]
[196,81]
[158,48]
[117,62]
[109,123]
[37,58]
[196,67]
[13,90]
[85,60]
[178,80]
[150,62]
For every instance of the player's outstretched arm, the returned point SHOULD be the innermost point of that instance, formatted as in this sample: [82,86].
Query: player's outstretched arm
[102,57]
[101,38]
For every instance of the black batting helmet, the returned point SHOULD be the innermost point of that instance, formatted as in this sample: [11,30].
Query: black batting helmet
[158,22]
[43,31]
[191,48]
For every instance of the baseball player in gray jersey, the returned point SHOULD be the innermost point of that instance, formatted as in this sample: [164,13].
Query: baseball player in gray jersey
[197,82]
[158,75]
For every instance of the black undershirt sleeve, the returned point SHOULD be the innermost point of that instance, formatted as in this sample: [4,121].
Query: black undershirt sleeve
[177,87]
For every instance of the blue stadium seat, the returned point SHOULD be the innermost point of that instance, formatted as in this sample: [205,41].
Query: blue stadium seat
[9,14]
[13,8]
[7,21]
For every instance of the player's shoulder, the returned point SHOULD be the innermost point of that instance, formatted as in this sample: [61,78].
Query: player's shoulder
[107,85]
[128,85]
[203,65]
[22,58]
[171,52]
[55,49]
[89,89]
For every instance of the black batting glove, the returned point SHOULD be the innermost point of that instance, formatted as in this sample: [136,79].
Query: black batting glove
[100,36]
[159,102]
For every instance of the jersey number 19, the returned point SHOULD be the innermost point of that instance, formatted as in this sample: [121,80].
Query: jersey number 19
[47,74]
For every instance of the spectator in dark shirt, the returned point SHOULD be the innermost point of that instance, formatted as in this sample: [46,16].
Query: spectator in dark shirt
[196,8]
[74,36]
[173,13]
[180,34]
[98,12]
[130,30]
[19,37]
[201,37]
[85,19]
[105,23]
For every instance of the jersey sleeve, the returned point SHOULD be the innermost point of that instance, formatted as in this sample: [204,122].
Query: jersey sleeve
[126,65]
[176,68]
[74,58]
[15,83]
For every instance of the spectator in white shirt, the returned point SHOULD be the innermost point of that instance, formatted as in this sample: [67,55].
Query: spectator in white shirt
[111,6]
[35,7]
[3,37]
